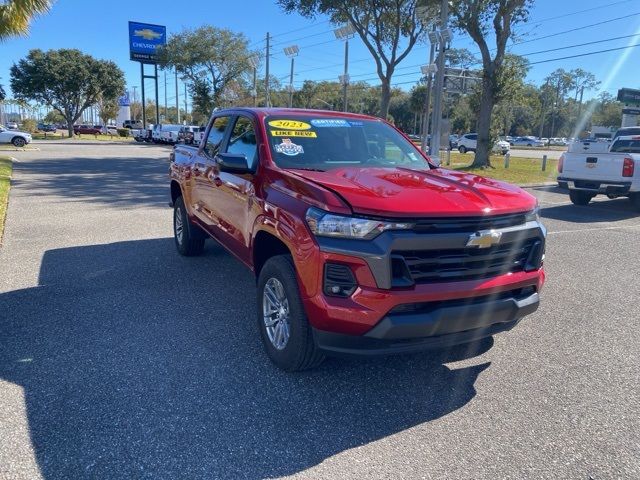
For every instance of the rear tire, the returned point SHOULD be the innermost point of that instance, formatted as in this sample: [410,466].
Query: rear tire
[285,331]
[462,149]
[188,237]
[635,200]
[578,197]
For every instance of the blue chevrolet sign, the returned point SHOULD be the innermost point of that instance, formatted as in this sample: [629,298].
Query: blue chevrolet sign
[144,39]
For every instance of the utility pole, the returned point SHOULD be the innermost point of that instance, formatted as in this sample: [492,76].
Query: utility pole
[185,103]
[433,37]
[177,98]
[544,108]
[553,111]
[445,36]
[580,104]
[267,98]
[291,52]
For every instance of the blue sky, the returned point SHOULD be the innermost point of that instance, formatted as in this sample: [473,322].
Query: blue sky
[100,29]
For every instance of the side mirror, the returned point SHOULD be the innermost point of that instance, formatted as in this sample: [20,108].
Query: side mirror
[233,162]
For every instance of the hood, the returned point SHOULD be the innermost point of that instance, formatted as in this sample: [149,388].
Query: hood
[399,192]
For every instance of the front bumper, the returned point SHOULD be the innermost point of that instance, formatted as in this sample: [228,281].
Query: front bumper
[384,310]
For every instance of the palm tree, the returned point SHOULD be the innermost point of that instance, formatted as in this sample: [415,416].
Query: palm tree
[15,16]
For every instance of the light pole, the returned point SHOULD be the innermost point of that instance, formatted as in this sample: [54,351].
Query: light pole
[292,53]
[135,87]
[345,33]
[444,37]
[254,61]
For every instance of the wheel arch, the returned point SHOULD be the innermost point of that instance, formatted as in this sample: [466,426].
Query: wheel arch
[176,191]
[266,245]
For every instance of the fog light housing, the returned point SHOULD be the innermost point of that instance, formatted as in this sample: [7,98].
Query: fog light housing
[339,280]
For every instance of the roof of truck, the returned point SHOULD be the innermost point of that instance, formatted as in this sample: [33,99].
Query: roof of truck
[265,112]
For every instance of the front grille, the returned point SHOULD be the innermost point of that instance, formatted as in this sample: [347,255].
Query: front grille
[458,264]
[470,224]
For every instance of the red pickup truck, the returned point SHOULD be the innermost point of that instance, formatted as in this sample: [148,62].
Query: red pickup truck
[359,244]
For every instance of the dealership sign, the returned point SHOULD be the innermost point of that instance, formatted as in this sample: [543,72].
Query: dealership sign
[629,96]
[144,39]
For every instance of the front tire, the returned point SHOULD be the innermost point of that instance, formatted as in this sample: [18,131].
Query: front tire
[578,197]
[462,149]
[188,237]
[285,331]
[18,142]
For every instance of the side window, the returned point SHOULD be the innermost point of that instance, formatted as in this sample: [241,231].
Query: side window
[243,140]
[216,134]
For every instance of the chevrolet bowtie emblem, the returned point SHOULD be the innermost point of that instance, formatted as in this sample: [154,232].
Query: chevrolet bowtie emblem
[485,239]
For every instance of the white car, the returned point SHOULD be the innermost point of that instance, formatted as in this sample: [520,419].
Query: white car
[527,142]
[12,125]
[469,143]
[18,139]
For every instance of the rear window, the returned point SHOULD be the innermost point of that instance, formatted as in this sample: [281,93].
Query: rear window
[623,132]
[626,146]
[325,143]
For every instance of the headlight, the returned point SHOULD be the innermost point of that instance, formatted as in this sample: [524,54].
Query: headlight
[327,224]
[533,215]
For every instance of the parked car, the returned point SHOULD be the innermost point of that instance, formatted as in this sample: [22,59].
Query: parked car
[527,142]
[16,138]
[169,133]
[612,173]
[558,142]
[186,133]
[46,127]
[469,143]
[359,243]
[545,141]
[86,129]
[109,130]
[137,124]
[12,125]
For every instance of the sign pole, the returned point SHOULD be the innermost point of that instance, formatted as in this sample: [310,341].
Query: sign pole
[144,115]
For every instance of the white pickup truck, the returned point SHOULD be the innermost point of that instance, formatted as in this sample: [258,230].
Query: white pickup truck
[588,171]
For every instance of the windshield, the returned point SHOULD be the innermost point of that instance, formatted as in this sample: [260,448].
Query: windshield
[626,146]
[324,143]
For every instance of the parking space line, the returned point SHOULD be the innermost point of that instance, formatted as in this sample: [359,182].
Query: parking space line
[593,229]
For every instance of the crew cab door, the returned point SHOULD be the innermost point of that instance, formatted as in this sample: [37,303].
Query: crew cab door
[205,174]
[231,198]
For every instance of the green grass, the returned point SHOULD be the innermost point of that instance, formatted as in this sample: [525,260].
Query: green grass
[5,183]
[521,171]
[102,138]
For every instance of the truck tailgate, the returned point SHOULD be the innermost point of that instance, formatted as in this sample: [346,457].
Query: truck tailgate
[592,166]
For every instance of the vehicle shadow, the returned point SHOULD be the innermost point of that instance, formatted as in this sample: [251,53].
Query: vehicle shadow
[596,212]
[138,363]
[124,181]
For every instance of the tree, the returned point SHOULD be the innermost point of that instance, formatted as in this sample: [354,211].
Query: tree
[3,95]
[66,80]
[210,58]
[460,58]
[477,18]
[54,117]
[388,28]
[16,15]
[108,109]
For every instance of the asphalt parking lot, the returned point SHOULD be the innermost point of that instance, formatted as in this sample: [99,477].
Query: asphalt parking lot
[121,359]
